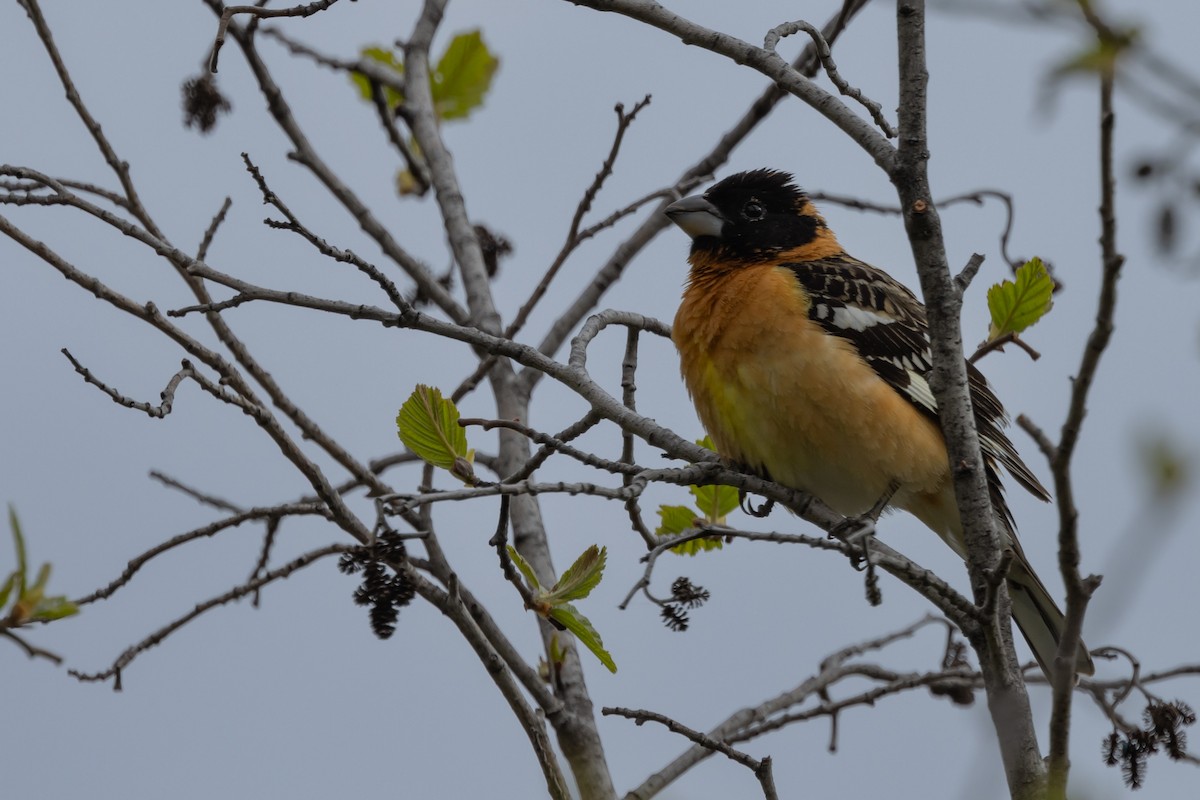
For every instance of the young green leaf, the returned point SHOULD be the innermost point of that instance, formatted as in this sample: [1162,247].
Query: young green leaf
[52,608]
[406,183]
[524,567]
[1017,305]
[30,603]
[463,76]
[715,502]
[32,598]
[557,654]
[580,578]
[428,425]
[1099,56]
[6,589]
[676,520]
[14,525]
[570,618]
[384,56]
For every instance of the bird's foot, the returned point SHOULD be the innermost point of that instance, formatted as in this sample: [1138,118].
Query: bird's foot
[748,507]
[857,531]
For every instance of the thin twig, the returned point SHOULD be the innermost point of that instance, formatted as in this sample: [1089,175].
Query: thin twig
[628,399]
[154,412]
[545,439]
[119,166]
[761,769]
[342,256]
[700,171]
[264,556]
[567,434]
[823,52]
[258,12]
[499,541]
[207,499]
[963,279]
[236,593]
[33,651]
[387,118]
[977,197]
[211,231]
[1080,589]
[601,320]
[992,345]
[744,724]
[304,153]
[1049,449]
[213,528]
[574,238]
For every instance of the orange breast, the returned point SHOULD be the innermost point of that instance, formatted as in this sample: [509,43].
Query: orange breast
[780,395]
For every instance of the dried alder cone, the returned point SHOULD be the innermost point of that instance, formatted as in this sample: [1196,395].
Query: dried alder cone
[383,588]
[812,368]
[1163,729]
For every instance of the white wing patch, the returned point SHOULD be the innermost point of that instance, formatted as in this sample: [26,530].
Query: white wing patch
[856,318]
[919,392]
[991,446]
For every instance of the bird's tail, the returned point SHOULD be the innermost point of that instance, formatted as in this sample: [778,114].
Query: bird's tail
[1040,620]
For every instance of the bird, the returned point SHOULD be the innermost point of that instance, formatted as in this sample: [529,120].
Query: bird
[811,368]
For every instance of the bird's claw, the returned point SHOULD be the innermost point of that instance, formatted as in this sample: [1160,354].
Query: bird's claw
[747,505]
[856,532]
[853,530]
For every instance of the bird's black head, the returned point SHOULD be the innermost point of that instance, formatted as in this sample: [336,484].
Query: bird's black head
[749,216]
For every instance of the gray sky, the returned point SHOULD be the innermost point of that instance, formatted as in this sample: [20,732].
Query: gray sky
[297,698]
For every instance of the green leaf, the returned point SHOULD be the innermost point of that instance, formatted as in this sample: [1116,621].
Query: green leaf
[6,589]
[524,567]
[384,56]
[1168,467]
[406,183]
[715,502]
[33,595]
[52,608]
[19,541]
[1099,56]
[1017,305]
[580,578]
[31,603]
[428,425]
[570,618]
[557,654]
[462,76]
[676,520]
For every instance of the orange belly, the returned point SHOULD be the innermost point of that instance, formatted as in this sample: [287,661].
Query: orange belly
[780,396]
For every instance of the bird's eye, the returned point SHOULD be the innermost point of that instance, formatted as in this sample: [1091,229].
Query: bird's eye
[753,210]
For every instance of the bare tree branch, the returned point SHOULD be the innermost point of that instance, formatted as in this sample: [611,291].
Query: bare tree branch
[205,531]
[32,651]
[258,12]
[771,42]
[761,769]
[806,64]
[206,499]
[1079,588]
[1008,700]
[238,592]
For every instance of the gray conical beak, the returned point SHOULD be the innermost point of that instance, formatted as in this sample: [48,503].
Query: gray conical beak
[696,216]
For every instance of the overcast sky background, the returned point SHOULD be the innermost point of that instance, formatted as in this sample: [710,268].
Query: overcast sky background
[297,698]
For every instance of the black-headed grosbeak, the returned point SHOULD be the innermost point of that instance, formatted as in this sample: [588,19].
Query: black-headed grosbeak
[810,367]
